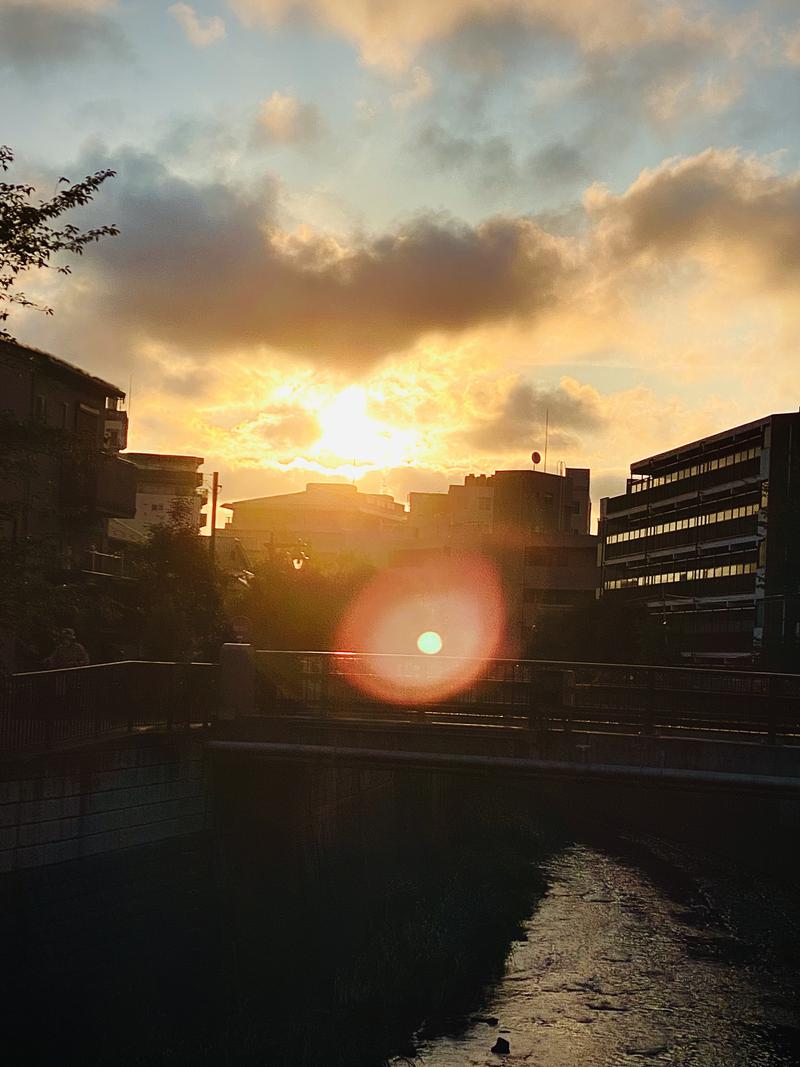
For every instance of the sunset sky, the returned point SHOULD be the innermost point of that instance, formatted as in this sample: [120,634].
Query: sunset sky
[378,239]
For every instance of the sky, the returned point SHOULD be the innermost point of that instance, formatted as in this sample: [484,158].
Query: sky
[386,240]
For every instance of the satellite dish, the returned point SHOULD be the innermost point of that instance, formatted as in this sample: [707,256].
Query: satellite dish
[536,458]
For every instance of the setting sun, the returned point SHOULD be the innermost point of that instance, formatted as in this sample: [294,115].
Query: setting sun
[350,434]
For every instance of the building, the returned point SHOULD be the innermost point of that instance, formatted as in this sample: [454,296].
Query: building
[535,528]
[162,481]
[335,521]
[62,478]
[708,536]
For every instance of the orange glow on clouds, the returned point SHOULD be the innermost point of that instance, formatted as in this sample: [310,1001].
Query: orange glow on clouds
[453,606]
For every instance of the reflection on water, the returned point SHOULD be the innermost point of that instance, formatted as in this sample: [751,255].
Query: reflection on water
[615,972]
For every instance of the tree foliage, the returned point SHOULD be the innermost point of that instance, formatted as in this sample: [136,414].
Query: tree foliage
[28,238]
[178,595]
[290,609]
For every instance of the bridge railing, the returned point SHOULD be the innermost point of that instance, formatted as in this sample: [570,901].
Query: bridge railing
[48,709]
[544,694]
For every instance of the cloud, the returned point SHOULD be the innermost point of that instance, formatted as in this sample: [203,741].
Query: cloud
[493,162]
[286,120]
[36,35]
[519,416]
[732,213]
[420,88]
[791,44]
[200,31]
[206,266]
[391,33]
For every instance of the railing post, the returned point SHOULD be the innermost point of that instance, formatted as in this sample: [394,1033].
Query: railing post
[237,690]
[537,715]
[649,703]
[567,699]
[772,711]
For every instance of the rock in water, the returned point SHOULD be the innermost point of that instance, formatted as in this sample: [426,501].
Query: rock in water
[501,1047]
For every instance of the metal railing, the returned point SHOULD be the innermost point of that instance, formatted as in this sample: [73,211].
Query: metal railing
[621,698]
[49,709]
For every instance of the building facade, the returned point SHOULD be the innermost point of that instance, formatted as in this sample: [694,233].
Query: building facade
[533,526]
[708,536]
[62,477]
[163,482]
[338,524]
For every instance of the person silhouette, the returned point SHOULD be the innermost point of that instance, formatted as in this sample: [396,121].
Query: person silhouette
[69,652]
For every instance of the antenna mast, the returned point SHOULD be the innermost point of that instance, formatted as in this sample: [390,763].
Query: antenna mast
[546,435]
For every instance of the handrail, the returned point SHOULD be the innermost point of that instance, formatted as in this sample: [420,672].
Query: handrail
[45,710]
[547,694]
[113,663]
[540,662]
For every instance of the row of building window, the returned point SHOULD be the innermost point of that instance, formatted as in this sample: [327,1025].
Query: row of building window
[725,570]
[698,468]
[684,524]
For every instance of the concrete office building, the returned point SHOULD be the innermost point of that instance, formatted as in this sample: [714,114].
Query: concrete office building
[533,526]
[708,536]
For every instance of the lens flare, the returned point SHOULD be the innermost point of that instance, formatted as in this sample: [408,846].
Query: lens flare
[430,643]
[451,602]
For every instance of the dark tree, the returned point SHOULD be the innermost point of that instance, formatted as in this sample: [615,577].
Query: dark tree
[178,596]
[29,238]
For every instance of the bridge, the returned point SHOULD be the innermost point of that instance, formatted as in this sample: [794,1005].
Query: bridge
[682,726]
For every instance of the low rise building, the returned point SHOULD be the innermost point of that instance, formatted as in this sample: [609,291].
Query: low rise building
[336,522]
[707,534]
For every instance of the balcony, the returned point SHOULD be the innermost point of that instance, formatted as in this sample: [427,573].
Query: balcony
[101,484]
[110,564]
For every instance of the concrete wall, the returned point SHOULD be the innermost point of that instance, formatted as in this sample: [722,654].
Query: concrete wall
[130,791]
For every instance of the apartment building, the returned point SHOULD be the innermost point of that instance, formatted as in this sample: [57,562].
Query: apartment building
[162,481]
[62,477]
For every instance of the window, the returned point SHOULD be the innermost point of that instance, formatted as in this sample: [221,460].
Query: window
[484,503]
[39,407]
[64,415]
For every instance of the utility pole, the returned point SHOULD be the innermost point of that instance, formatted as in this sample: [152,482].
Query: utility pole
[214,494]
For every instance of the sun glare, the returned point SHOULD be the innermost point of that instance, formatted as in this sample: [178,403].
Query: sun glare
[350,434]
[430,643]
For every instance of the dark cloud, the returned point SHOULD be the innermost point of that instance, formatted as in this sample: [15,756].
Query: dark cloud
[36,36]
[519,421]
[206,267]
[197,139]
[492,162]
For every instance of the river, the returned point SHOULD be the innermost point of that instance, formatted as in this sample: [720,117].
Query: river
[656,956]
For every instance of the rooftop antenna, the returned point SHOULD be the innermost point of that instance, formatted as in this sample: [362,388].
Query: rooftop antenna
[546,435]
